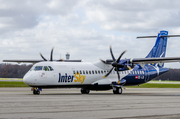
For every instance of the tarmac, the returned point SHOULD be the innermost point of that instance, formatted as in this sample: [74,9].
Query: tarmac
[134,103]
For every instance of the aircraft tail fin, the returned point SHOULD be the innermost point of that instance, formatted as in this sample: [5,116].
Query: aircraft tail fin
[159,49]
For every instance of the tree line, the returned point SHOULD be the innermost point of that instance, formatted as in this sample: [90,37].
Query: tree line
[13,71]
[18,71]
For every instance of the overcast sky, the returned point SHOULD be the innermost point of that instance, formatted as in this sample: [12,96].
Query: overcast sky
[86,28]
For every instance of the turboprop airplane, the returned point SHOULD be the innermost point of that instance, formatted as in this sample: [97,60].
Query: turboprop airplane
[101,75]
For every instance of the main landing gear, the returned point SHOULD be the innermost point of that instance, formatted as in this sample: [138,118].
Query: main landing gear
[36,91]
[84,91]
[117,90]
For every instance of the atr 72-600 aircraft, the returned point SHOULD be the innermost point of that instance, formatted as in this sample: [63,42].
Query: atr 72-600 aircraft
[102,75]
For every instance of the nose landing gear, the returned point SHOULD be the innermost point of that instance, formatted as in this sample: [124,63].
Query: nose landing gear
[36,91]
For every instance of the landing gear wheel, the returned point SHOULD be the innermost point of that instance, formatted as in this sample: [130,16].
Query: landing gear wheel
[84,91]
[36,92]
[117,90]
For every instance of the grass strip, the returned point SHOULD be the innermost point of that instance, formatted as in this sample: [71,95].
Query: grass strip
[163,81]
[154,85]
[12,84]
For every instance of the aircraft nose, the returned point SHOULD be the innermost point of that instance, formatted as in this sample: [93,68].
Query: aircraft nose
[26,80]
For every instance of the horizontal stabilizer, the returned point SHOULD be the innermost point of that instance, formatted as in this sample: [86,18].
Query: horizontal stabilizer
[159,36]
[146,37]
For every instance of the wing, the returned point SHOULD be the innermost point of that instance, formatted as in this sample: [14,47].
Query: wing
[155,60]
[35,61]
[24,61]
[143,61]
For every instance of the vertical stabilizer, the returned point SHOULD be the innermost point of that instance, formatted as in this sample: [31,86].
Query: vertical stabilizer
[159,49]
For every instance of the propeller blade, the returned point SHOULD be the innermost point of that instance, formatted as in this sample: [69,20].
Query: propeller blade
[51,56]
[112,54]
[102,61]
[108,73]
[119,80]
[43,57]
[120,56]
[105,62]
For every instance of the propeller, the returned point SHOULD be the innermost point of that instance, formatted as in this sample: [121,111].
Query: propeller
[51,56]
[115,64]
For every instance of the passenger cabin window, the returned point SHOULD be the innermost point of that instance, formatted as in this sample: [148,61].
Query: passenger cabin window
[92,72]
[89,72]
[96,72]
[86,72]
[80,72]
[83,72]
[37,68]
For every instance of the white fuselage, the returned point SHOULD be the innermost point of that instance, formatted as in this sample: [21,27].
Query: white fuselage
[70,73]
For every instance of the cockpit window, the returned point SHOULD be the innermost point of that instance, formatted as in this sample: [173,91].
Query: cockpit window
[32,68]
[51,69]
[46,68]
[38,68]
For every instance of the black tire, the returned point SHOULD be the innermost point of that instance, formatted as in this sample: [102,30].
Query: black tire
[120,90]
[36,92]
[84,91]
[115,90]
